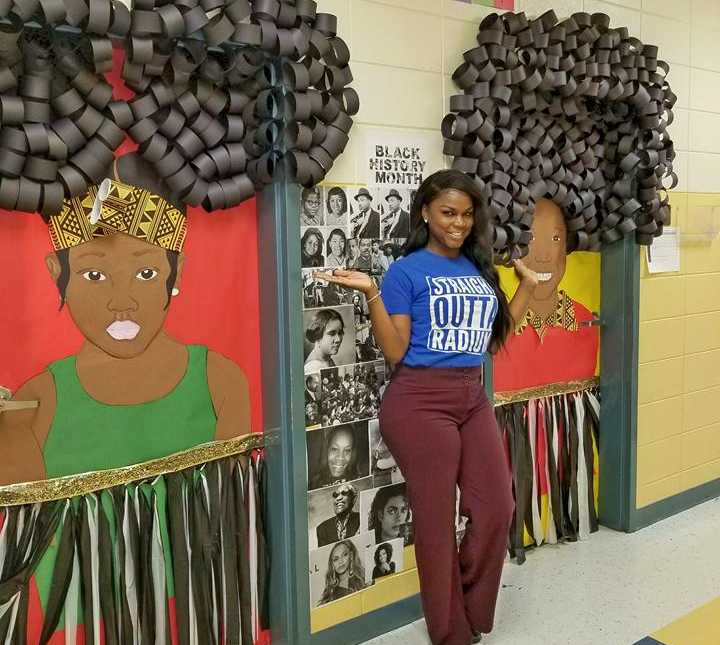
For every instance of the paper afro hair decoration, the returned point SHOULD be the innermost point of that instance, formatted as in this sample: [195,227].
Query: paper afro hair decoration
[226,92]
[574,111]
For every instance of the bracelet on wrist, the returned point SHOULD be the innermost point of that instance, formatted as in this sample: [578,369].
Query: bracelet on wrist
[375,297]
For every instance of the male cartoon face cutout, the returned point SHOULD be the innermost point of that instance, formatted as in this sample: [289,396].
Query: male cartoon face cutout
[547,251]
[117,291]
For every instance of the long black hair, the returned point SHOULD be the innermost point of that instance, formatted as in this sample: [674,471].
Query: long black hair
[477,247]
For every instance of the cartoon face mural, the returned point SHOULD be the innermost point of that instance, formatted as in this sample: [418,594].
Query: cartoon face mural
[547,253]
[132,392]
[555,342]
[116,289]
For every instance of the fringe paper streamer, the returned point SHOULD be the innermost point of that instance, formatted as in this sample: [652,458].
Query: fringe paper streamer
[552,447]
[124,565]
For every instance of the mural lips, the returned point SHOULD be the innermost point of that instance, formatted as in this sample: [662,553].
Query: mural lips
[123,330]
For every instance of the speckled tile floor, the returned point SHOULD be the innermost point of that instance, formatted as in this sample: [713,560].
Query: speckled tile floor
[612,589]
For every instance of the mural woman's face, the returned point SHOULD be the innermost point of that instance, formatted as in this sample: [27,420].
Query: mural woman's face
[382,556]
[340,452]
[547,250]
[332,338]
[117,292]
[341,559]
[353,249]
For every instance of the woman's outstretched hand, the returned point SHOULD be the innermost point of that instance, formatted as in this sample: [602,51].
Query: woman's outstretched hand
[527,276]
[356,280]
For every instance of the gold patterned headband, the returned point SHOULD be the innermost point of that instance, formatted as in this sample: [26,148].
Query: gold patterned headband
[115,207]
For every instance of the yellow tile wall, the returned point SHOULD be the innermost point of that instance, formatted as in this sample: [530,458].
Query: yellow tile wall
[679,371]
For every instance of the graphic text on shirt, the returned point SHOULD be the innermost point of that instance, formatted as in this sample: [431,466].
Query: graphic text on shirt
[462,310]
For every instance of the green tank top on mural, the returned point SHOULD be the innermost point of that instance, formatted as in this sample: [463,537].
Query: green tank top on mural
[88,435]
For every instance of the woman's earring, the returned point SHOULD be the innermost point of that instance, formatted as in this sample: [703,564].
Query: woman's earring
[175,291]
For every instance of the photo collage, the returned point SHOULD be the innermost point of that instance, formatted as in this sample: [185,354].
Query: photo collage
[359,518]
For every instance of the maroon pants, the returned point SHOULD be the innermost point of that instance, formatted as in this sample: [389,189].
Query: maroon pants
[441,429]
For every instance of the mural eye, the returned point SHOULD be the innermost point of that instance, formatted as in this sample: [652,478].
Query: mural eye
[146,274]
[94,276]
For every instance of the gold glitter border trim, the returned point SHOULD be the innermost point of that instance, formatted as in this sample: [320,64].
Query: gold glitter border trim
[554,389]
[82,484]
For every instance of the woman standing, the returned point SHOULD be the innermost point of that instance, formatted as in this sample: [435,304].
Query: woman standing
[441,309]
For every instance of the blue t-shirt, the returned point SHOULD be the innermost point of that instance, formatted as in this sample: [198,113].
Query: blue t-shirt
[452,309]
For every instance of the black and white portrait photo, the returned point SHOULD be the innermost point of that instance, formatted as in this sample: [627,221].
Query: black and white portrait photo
[334,512]
[312,400]
[366,348]
[391,251]
[383,468]
[329,336]
[383,559]
[337,570]
[320,293]
[378,262]
[337,454]
[351,392]
[364,259]
[311,208]
[312,246]
[365,221]
[336,248]
[352,253]
[395,214]
[386,513]
[312,415]
[336,207]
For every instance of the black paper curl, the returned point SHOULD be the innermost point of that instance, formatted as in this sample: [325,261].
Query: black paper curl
[227,93]
[573,111]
